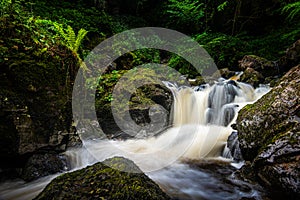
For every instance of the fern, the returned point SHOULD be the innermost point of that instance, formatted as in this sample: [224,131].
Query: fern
[68,34]
[184,14]
[70,37]
[222,6]
[293,9]
[80,36]
[72,41]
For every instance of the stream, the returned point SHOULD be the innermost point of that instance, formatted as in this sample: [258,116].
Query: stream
[188,160]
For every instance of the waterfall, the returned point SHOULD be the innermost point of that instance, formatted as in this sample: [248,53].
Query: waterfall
[201,123]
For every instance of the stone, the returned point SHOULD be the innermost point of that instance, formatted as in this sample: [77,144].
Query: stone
[35,97]
[234,147]
[258,70]
[40,165]
[291,58]
[265,67]
[252,77]
[138,109]
[269,135]
[99,181]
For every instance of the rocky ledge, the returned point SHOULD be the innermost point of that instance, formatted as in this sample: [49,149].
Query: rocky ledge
[269,137]
[102,182]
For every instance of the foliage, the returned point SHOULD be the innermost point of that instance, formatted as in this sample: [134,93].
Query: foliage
[4,6]
[273,45]
[293,10]
[182,66]
[56,22]
[185,15]
[26,44]
[70,39]
[222,6]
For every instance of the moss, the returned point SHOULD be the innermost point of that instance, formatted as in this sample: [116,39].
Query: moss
[138,90]
[265,120]
[36,73]
[102,182]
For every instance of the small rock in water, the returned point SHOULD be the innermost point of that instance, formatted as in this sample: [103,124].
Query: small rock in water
[40,165]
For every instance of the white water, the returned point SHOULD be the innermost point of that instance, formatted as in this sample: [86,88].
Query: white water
[201,125]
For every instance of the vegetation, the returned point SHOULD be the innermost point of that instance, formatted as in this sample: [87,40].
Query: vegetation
[292,9]
[43,44]
[37,34]
[103,182]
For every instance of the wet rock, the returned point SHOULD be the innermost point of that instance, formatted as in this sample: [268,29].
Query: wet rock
[40,165]
[198,80]
[265,67]
[224,72]
[269,135]
[259,70]
[139,109]
[252,77]
[102,182]
[234,147]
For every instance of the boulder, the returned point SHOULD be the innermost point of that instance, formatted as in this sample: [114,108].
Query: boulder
[252,77]
[234,147]
[269,136]
[40,165]
[291,58]
[99,181]
[139,110]
[35,95]
[265,67]
[260,70]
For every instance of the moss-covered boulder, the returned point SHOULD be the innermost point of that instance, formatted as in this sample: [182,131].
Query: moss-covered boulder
[143,101]
[269,135]
[102,182]
[259,70]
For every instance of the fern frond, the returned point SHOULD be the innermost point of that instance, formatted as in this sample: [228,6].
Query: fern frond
[293,9]
[81,34]
[60,29]
[70,37]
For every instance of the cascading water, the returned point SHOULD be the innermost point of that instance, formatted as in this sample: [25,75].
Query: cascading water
[201,125]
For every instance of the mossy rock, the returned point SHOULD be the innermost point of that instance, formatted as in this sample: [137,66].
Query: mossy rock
[269,135]
[36,76]
[137,91]
[99,181]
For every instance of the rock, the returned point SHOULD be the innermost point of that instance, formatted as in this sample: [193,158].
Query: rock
[291,58]
[234,147]
[224,72]
[265,67]
[138,109]
[40,165]
[252,77]
[102,182]
[269,135]
[259,70]
[198,80]
[35,95]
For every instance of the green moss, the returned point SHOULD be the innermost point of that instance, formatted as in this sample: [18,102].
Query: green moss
[37,70]
[102,182]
